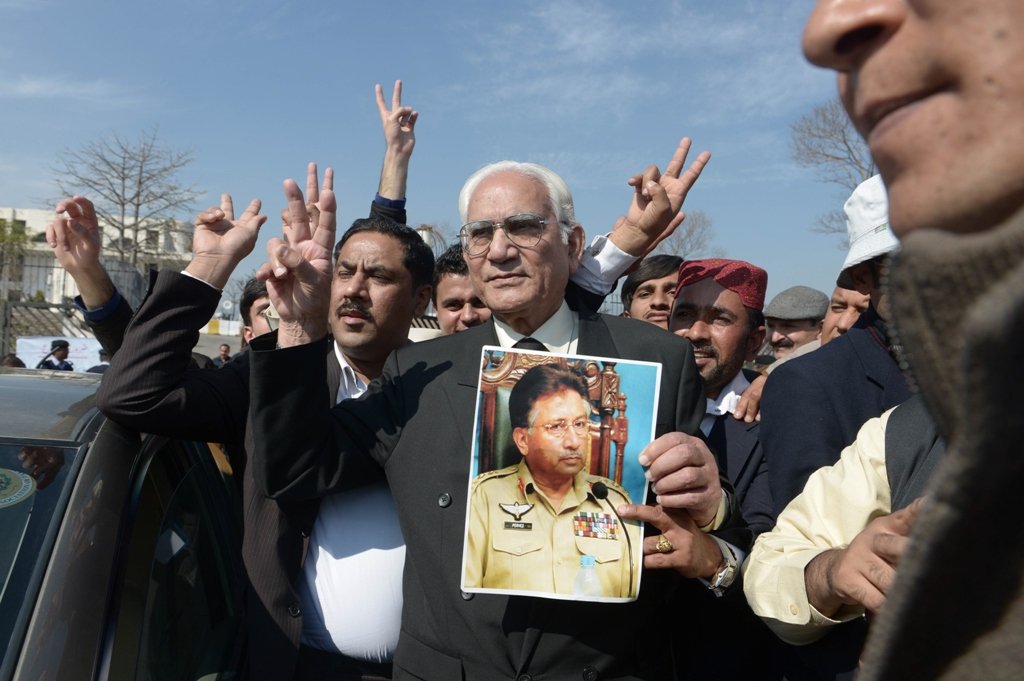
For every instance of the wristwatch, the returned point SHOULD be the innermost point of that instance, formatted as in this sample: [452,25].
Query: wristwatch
[727,571]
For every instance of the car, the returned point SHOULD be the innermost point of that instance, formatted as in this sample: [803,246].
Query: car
[120,552]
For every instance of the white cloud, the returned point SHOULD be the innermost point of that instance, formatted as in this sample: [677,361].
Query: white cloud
[736,62]
[100,91]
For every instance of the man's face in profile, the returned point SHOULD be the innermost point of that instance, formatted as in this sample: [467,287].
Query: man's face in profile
[844,309]
[259,324]
[554,445]
[936,88]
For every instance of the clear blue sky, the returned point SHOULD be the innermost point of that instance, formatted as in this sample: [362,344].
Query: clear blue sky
[595,90]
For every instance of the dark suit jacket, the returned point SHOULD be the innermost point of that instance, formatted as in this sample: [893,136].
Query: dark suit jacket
[811,409]
[153,387]
[814,405]
[741,460]
[416,422]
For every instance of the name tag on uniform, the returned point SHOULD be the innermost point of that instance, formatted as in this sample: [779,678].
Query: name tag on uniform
[512,525]
[595,525]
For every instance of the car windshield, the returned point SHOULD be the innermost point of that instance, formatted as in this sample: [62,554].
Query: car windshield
[33,478]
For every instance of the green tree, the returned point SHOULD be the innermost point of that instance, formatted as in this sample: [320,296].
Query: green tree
[13,239]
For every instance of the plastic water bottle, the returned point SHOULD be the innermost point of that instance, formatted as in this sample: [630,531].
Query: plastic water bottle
[586,582]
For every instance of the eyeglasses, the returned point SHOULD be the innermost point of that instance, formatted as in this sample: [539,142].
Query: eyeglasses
[558,429]
[523,230]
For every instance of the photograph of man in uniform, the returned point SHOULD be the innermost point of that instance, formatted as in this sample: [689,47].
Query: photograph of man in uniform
[546,525]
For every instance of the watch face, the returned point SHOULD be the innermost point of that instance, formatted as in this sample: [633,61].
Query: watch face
[725,577]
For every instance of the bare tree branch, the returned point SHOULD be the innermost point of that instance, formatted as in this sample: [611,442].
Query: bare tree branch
[134,186]
[691,239]
[826,141]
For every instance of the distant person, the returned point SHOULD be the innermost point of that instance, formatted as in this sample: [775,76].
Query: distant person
[457,305]
[794,322]
[647,291]
[556,505]
[102,366]
[223,356]
[814,406]
[844,309]
[59,350]
[11,360]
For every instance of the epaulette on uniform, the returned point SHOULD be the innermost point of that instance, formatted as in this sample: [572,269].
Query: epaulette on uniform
[611,485]
[499,473]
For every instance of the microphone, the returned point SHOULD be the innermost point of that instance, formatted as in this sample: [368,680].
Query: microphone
[600,491]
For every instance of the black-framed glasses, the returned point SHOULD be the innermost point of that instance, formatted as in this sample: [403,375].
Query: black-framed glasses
[524,230]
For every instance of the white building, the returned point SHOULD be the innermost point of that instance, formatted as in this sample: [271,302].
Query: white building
[34,274]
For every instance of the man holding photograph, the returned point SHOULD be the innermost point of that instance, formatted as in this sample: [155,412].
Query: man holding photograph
[522,243]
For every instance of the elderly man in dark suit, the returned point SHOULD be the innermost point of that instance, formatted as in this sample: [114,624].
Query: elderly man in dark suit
[521,243]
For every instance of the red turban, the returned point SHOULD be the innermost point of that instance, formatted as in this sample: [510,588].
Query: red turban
[748,281]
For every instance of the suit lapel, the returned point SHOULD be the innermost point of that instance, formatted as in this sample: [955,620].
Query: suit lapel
[468,362]
[595,339]
[740,443]
[333,374]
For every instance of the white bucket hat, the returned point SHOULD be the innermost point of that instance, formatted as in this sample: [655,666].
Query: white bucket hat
[867,223]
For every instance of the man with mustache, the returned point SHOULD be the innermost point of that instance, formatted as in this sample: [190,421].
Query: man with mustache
[718,309]
[521,243]
[540,549]
[794,322]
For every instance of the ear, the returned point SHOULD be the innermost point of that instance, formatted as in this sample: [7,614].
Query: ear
[577,242]
[755,342]
[421,298]
[247,334]
[519,438]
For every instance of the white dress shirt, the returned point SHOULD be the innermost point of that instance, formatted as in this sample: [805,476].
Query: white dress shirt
[351,587]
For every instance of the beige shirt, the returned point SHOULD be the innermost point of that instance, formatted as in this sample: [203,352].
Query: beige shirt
[518,541]
[836,504]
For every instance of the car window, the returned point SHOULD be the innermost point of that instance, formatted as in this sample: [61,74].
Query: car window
[180,615]
[34,477]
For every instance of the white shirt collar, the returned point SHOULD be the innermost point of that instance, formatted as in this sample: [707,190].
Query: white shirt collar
[725,403]
[350,385]
[730,396]
[560,333]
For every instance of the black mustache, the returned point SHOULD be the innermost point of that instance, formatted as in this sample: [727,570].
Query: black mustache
[351,306]
[706,348]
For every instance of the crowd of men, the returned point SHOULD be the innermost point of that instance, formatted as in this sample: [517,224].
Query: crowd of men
[835,518]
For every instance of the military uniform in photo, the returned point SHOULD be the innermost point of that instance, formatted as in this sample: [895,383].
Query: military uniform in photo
[517,540]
